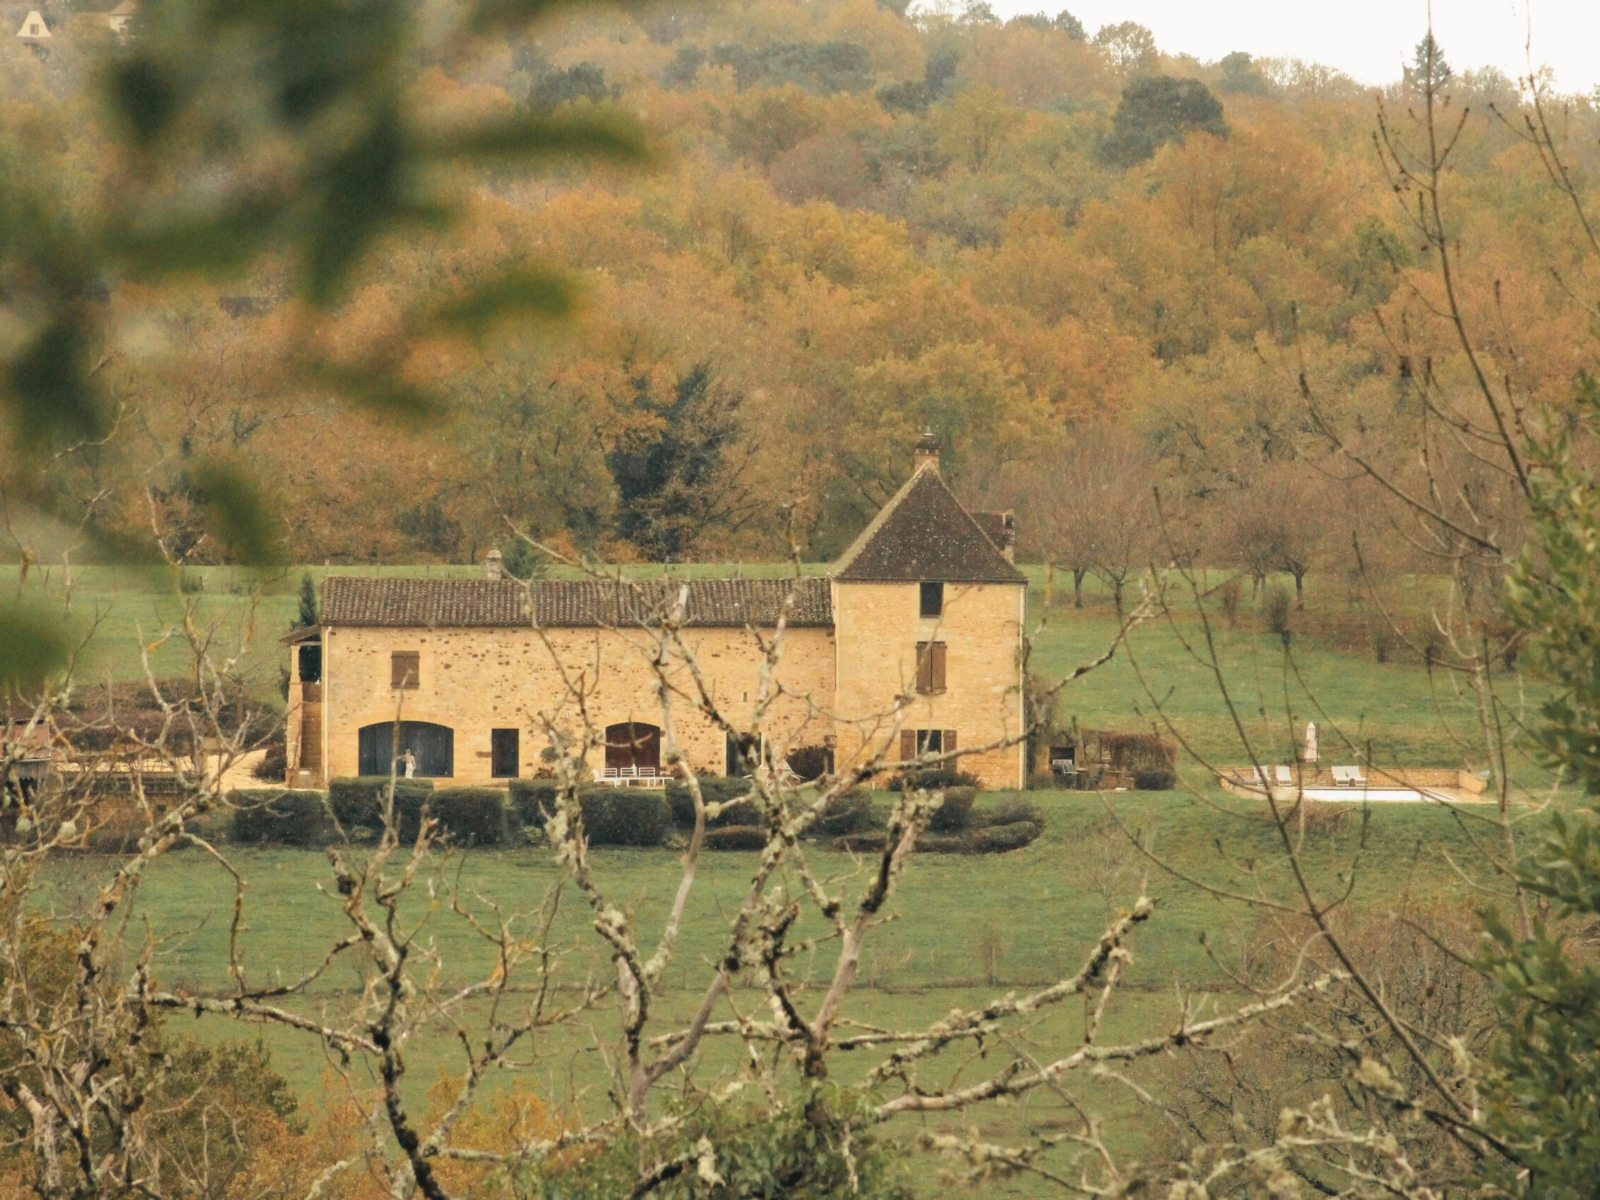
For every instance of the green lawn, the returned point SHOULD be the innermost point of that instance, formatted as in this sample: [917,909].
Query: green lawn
[1027,916]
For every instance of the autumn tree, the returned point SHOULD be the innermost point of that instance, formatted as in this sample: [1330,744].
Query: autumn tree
[1090,509]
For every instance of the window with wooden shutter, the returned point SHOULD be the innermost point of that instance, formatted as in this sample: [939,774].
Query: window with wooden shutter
[505,753]
[405,668]
[949,741]
[930,667]
[908,744]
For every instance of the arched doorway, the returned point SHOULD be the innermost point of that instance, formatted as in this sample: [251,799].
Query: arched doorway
[433,745]
[633,748]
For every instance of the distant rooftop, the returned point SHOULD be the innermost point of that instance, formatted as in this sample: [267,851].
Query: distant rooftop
[924,533]
[488,603]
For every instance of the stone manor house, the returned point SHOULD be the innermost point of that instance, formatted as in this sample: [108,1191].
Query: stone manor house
[925,604]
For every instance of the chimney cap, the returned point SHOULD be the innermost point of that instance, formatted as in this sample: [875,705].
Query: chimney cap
[492,563]
[926,453]
[929,441]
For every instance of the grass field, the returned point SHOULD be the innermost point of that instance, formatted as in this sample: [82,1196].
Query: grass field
[965,928]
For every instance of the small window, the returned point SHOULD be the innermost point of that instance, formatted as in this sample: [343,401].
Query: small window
[930,667]
[405,667]
[932,599]
[917,742]
[504,755]
[311,663]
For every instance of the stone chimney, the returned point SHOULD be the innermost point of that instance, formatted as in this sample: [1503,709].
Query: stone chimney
[492,564]
[926,453]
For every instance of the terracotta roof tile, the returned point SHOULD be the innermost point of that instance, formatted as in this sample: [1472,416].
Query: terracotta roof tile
[924,533]
[467,603]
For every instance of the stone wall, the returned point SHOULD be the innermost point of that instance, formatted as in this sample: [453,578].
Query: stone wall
[878,627]
[477,680]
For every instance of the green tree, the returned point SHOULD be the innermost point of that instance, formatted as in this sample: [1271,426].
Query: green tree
[1239,75]
[307,616]
[1428,66]
[675,471]
[1156,111]
[1544,1077]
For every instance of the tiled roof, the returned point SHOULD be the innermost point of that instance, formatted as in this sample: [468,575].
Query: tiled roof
[465,603]
[924,533]
[996,527]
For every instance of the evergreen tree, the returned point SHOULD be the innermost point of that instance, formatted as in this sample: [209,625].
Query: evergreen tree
[307,616]
[1428,64]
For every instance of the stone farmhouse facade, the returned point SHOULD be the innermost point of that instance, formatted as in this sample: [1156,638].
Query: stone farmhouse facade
[926,605]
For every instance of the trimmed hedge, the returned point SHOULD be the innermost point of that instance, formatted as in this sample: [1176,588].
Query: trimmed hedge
[847,813]
[612,816]
[955,814]
[288,818]
[934,778]
[471,816]
[714,789]
[531,799]
[1008,811]
[357,800]
[624,816]
[1154,781]
[996,839]
[736,837]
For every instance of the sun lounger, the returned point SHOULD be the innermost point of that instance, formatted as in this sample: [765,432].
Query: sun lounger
[1348,777]
[1285,776]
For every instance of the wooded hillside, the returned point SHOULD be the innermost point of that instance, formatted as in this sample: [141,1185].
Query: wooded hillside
[1091,265]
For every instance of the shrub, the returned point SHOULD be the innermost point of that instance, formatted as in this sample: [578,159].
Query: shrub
[715,789]
[274,765]
[1008,811]
[946,844]
[954,814]
[933,779]
[288,818]
[357,800]
[1154,781]
[531,799]
[191,583]
[810,762]
[996,839]
[736,837]
[1044,781]
[847,813]
[473,816]
[624,816]
[1275,610]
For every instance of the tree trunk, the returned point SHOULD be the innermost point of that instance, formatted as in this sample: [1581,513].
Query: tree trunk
[1077,585]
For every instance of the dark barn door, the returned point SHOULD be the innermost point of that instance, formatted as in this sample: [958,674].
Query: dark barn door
[433,745]
[633,745]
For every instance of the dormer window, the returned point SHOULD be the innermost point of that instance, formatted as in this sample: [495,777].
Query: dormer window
[932,599]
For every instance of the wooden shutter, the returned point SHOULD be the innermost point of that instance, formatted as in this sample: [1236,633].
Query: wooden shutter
[936,668]
[405,668]
[924,669]
[949,741]
[908,744]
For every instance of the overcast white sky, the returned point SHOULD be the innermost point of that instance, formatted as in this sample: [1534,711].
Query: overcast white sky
[1366,39]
